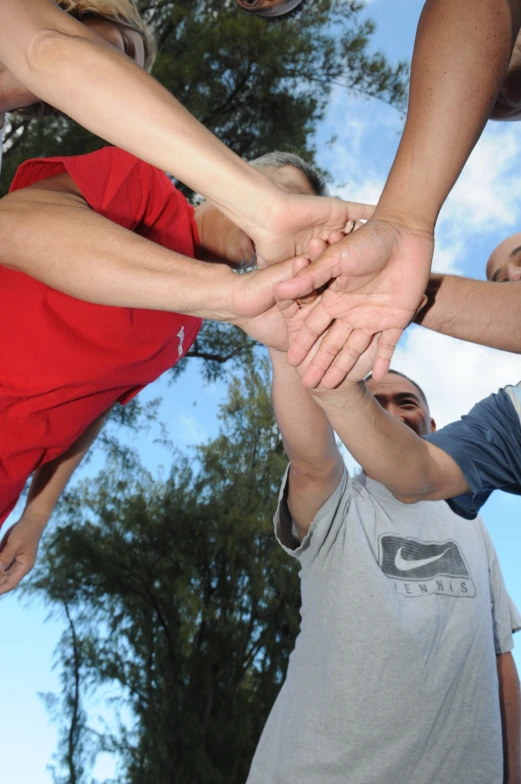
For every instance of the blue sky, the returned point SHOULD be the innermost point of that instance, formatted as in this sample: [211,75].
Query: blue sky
[484,208]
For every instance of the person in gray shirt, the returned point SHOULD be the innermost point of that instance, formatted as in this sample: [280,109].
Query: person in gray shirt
[402,672]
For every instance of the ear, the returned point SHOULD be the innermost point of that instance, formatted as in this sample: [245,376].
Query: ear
[433,425]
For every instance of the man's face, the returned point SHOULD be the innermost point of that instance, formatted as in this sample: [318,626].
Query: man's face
[401,398]
[504,264]
[223,241]
[268,8]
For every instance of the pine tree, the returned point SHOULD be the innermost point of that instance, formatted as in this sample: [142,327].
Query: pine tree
[177,592]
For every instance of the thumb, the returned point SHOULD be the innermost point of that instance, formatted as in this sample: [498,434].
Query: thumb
[283,270]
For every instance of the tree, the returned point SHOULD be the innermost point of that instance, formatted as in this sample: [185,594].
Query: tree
[259,86]
[177,592]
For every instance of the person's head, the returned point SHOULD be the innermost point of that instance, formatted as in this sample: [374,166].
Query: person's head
[404,399]
[223,241]
[119,23]
[270,9]
[504,264]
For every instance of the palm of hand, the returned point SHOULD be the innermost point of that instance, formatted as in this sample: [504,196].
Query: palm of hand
[380,275]
[298,219]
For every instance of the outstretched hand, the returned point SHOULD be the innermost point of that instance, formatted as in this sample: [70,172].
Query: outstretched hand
[18,550]
[294,220]
[379,275]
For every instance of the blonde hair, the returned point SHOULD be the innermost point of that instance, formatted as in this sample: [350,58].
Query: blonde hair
[123,12]
[120,12]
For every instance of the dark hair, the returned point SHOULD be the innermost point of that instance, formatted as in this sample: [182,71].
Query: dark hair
[277,160]
[397,373]
[288,9]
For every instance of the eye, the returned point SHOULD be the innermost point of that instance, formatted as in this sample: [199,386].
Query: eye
[409,404]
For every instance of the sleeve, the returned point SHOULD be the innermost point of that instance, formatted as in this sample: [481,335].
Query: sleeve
[115,184]
[505,615]
[486,445]
[324,528]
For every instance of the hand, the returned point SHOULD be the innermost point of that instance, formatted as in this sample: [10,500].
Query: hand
[273,327]
[294,220]
[18,551]
[379,274]
[294,316]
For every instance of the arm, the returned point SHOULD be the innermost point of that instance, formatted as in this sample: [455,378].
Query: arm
[474,310]
[460,58]
[316,464]
[388,450]
[99,261]
[19,546]
[70,67]
[509,701]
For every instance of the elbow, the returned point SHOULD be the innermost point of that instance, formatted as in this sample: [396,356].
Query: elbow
[48,51]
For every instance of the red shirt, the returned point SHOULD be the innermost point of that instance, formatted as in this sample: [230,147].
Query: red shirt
[64,362]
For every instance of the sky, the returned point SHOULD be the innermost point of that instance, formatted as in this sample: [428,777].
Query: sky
[483,209]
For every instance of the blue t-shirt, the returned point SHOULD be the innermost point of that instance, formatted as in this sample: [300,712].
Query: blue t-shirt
[486,445]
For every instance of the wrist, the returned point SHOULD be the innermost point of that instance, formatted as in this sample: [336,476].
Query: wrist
[404,218]
[347,394]
[251,201]
[35,520]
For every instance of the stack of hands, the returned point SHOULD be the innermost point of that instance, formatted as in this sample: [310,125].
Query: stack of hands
[347,299]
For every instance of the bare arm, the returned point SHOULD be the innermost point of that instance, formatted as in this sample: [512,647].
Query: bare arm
[460,59]
[509,700]
[99,261]
[474,310]
[70,67]
[461,54]
[19,546]
[389,451]
[316,464]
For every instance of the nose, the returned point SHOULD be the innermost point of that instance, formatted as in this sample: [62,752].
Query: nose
[514,273]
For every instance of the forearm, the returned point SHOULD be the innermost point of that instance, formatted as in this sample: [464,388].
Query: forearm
[460,58]
[309,440]
[474,310]
[316,465]
[49,481]
[388,450]
[70,67]
[509,700]
[99,261]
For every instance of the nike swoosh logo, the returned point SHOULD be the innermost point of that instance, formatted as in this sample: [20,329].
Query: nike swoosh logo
[405,566]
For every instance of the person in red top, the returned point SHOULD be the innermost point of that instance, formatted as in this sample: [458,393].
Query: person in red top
[67,362]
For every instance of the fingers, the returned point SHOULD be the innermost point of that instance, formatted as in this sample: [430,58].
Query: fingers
[10,578]
[349,357]
[331,344]
[314,326]
[385,350]
[358,211]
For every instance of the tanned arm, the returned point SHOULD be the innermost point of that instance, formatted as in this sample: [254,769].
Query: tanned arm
[99,261]
[509,700]
[19,546]
[477,311]
[316,464]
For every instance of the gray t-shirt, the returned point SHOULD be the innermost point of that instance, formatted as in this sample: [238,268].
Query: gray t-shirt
[393,678]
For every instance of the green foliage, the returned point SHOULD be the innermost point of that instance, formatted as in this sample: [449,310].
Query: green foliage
[177,592]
